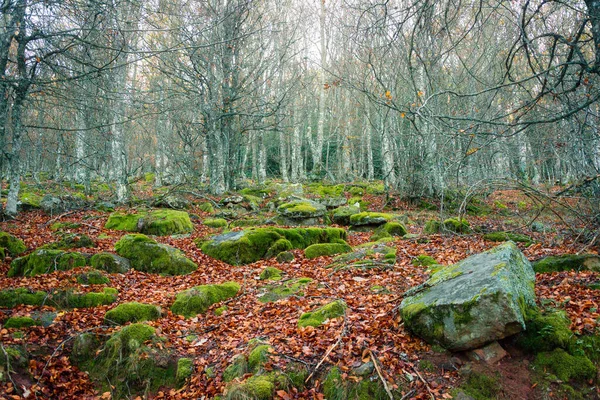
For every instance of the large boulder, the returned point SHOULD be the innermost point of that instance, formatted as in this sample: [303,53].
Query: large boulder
[147,255]
[301,212]
[477,301]
[59,204]
[250,245]
[44,261]
[160,222]
[13,245]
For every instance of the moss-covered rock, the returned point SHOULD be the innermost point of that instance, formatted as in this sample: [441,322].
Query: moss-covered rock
[367,256]
[110,263]
[244,247]
[157,222]
[215,222]
[14,359]
[10,298]
[546,331]
[29,200]
[93,277]
[341,215]
[279,246]
[206,207]
[565,366]
[197,300]
[132,312]
[271,273]
[370,219]
[336,387]
[68,299]
[71,241]
[568,262]
[320,315]
[290,287]
[305,212]
[256,387]
[13,245]
[388,230]
[504,236]
[258,357]
[423,260]
[185,368]
[457,225]
[21,322]
[432,227]
[147,255]
[44,261]
[326,249]
[285,257]
[64,226]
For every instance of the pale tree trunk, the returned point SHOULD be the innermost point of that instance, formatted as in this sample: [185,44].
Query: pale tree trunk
[81,175]
[296,160]
[387,153]
[368,144]
[15,155]
[317,143]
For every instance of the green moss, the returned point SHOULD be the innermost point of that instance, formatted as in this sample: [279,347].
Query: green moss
[285,257]
[147,255]
[258,357]
[257,387]
[21,322]
[481,386]
[426,365]
[69,299]
[123,222]
[197,300]
[320,315]
[270,273]
[341,215]
[10,298]
[565,366]
[64,226]
[368,218]
[504,236]
[13,245]
[45,261]
[411,311]
[545,332]
[132,312]
[237,368]
[423,260]
[248,222]
[93,277]
[356,191]
[279,246]
[256,192]
[291,287]
[167,222]
[219,311]
[567,262]
[29,199]
[215,222]
[297,207]
[457,225]
[2,253]
[109,262]
[362,204]
[432,227]
[185,367]
[71,241]
[335,387]
[445,274]
[149,177]
[326,249]
[325,190]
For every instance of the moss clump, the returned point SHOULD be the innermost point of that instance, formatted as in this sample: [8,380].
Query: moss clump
[45,261]
[341,215]
[257,387]
[545,332]
[567,262]
[258,357]
[132,312]
[370,218]
[147,255]
[123,222]
[505,236]
[158,222]
[565,366]
[432,227]
[326,249]
[335,387]
[457,225]
[69,299]
[320,315]
[10,298]
[481,387]
[251,245]
[84,347]
[64,226]
[215,222]
[197,300]
[13,245]
[2,253]
[285,257]
[219,311]
[92,277]
[71,241]
[292,287]
[21,322]
[300,207]
[237,368]
[185,367]
[30,199]
[206,207]
[423,260]
[389,230]
[325,190]
[110,263]
[270,273]
[279,246]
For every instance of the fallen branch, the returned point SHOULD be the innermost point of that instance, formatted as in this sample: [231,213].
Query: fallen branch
[53,220]
[333,346]
[425,383]
[385,385]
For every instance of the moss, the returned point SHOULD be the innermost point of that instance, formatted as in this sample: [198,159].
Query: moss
[237,368]
[166,222]
[13,245]
[84,347]
[64,226]
[206,207]
[445,274]
[149,177]
[10,298]
[69,299]
[92,277]
[565,366]
[426,365]
[256,192]
[325,190]
[109,262]
[370,218]
[71,241]
[423,260]
[285,257]
[336,387]
[258,357]
[504,236]
[2,253]
[270,273]
[185,367]
[567,262]
[279,246]
[481,386]
[215,222]
[147,255]
[545,332]
[432,227]
[219,311]
[132,312]
[320,315]
[457,225]
[363,205]
[248,222]
[297,207]
[291,287]
[197,300]
[30,199]
[45,261]
[411,311]
[326,249]
[257,387]
[21,322]
[12,358]
[341,215]
[123,222]
[356,191]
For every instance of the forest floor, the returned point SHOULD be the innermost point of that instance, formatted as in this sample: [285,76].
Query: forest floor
[372,329]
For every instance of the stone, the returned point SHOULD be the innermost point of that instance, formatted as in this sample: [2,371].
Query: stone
[370,219]
[568,262]
[341,215]
[477,301]
[489,354]
[301,212]
[174,202]
[59,204]
[235,199]
[333,202]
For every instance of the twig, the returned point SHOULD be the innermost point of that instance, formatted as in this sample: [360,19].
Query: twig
[59,217]
[8,368]
[425,383]
[409,394]
[385,385]
[333,346]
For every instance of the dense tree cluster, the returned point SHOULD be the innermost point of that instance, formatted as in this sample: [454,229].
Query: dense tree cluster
[422,94]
